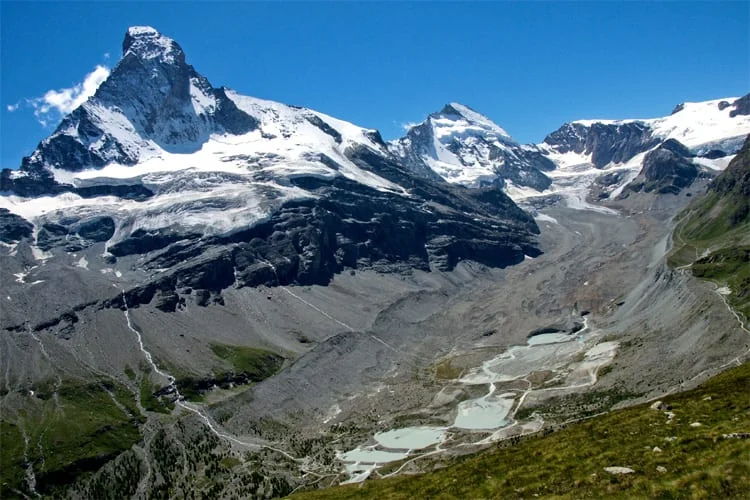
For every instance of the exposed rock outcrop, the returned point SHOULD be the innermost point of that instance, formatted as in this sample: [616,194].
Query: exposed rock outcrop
[605,142]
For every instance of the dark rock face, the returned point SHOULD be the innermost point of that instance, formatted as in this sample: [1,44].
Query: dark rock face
[51,235]
[525,168]
[97,229]
[667,169]
[35,180]
[416,144]
[733,184]
[31,180]
[677,148]
[714,154]
[13,228]
[605,142]
[736,178]
[348,226]
[315,120]
[741,106]
[73,235]
[141,241]
[610,179]
[135,192]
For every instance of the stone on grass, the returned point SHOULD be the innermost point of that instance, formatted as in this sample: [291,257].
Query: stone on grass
[619,470]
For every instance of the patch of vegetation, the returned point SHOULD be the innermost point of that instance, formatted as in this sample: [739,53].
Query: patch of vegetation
[230,462]
[11,458]
[71,431]
[703,226]
[635,342]
[243,365]
[256,364]
[129,373]
[694,461]
[192,388]
[580,405]
[605,370]
[150,401]
[444,370]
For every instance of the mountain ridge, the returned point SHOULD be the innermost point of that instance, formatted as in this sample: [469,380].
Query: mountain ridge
[215,189]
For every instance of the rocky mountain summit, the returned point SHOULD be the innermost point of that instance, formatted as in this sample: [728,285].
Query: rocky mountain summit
[603,142]
[464,147]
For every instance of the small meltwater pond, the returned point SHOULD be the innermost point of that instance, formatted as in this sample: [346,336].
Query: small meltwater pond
[411,438]
[549,338]
[549,351]
[487,412]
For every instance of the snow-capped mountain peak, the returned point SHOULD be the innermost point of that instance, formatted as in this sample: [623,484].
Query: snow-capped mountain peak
[465,147]
[153,103]
[458,113]
[146,43]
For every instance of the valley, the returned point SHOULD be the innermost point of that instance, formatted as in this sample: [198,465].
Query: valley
[211,295]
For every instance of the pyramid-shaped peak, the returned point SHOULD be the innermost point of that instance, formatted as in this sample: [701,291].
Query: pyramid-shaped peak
[147,43]
[458,108]
[460,111]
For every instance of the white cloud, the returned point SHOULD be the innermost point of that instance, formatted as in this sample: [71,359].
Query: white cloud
[12,107]
[64,101]
[408,125]
[106,56]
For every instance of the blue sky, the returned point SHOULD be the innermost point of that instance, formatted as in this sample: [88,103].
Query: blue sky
[530,66]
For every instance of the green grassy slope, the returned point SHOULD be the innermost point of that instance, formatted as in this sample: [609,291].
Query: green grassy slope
[695,461]
[239,364]
[65,433]
[712,236]
[719,219]
[729,267]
